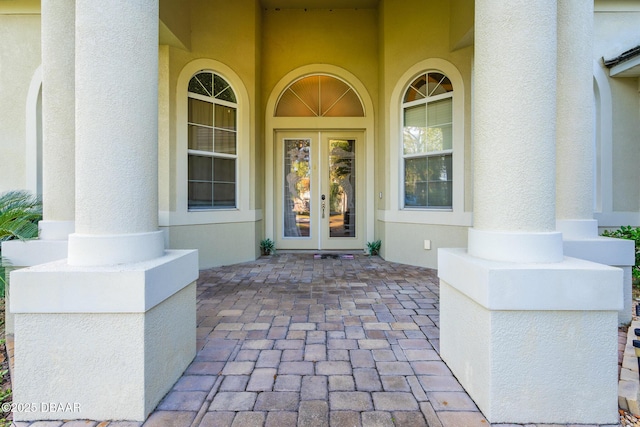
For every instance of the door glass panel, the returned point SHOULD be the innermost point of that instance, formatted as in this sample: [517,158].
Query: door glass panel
[297,188]
[342,188]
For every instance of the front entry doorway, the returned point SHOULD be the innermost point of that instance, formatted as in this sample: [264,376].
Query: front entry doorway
[320,190]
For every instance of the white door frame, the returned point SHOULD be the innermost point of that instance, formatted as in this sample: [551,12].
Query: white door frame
[319,222]
[364,124]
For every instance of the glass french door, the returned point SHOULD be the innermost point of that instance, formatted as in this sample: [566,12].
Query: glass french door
[320,196]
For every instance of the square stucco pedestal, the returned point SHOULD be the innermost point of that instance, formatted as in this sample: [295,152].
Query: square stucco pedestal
[606,250]
[102,342]
[18,254]
[532,343]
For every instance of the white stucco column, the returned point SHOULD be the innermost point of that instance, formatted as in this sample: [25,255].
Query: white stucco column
[58,119]
[116,133]
[514,134]
[542,348]
[117,319]
[575,149]
[58,136]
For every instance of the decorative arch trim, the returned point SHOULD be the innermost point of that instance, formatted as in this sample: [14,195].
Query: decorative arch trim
[455,216]
[319,95]
[603,140]
[33,133]
[273,123]
[245,174]
[312,69]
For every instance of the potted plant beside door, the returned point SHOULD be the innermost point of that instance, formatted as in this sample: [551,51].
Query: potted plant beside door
[374,247]
[267,247]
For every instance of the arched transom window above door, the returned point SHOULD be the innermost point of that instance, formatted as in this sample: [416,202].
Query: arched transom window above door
[319,95]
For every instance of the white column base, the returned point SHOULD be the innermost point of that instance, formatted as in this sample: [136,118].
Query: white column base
[102,342]
[573,229]
[532,343]
[55,230]
[107,249]
[604,250]
[515,246]
[27,253]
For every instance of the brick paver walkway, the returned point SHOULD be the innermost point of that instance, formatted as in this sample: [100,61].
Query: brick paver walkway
[290,340]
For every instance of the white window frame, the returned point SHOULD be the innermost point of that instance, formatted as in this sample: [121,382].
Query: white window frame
[424,101]
[394,185]
[176,161]
[214,101]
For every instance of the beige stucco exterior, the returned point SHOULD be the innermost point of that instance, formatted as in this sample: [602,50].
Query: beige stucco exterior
[616,30]
[19,59]
[523,249]
[377,47]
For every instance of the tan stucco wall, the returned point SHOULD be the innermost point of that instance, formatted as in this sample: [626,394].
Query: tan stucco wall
[346,38]
[405,242]
[20,7]
[218,244]
[175,23]
[461,23]
[261,46]
[626,144]
[19,60]
[411,33]
[227,33]
[616,31]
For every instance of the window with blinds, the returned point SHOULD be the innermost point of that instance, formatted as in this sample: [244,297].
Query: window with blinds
[427,142]
[212,147]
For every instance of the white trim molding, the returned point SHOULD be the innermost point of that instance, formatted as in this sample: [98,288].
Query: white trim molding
[603,211]
[395,212]
[603,141]
[33,134]
[182,214]
[273,124]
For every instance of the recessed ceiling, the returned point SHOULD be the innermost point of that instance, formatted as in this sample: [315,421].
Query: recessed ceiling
[320,4]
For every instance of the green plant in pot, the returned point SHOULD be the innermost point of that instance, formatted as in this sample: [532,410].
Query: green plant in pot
[374,247]
[267,247]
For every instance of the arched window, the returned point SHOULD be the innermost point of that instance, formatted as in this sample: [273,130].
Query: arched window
[427,142]
[212,148]
[319,95]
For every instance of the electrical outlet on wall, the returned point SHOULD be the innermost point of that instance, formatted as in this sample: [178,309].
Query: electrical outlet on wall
[427,245]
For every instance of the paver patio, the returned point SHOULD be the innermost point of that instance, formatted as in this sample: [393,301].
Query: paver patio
[290,340]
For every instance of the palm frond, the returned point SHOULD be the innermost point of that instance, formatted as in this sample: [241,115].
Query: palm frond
[19,215]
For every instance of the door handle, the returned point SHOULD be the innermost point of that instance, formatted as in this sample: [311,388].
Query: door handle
[323,204]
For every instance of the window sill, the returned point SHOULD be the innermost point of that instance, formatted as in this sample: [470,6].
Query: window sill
[428,209]
[234,209]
